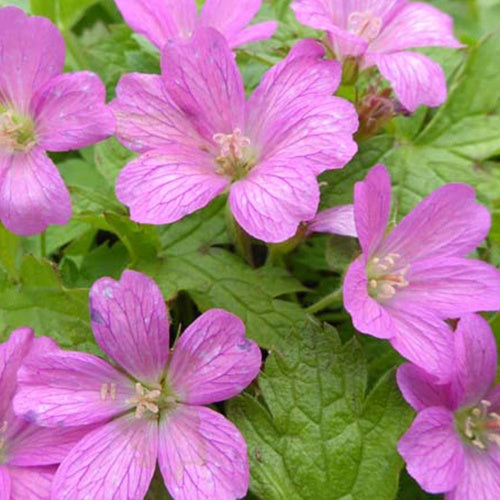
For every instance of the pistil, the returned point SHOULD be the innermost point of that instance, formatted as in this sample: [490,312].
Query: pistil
[145,400]
[16,131]
[232,158]
[385,276]
[481,426]
[364,24]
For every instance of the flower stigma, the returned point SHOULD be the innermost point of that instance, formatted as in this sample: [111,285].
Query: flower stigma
[152,400]
[385,276]
[233,159]
[17,132]
[480,426]
[364,24]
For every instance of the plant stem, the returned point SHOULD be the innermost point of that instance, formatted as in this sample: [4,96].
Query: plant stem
[242,241]
[332,298]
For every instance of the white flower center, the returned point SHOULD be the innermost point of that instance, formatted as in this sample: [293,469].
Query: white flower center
[16,131]
[364,24]
[385,276]
[233,159]
[482,426]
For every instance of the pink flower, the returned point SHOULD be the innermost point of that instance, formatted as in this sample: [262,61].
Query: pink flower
[379,33]
[335,220]
[198,137]
[453,446]
[151,406]
[28,454]
[41,109]
[163,20]
[408,281]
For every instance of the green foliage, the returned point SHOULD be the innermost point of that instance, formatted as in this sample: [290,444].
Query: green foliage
[65,13]
[312,433]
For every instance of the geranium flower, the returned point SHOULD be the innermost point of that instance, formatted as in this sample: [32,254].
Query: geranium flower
[41,110]
[453,446]
[408,281]
[28,454]
[163,20]
[335,220]
[150,407]
[379,32]
[198,137]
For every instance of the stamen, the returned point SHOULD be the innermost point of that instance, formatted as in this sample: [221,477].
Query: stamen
[145,400]
[16,131]
[481,427]
[232,159]
[384,276]
[364,25]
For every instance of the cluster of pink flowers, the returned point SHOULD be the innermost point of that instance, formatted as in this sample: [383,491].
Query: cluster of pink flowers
[75,426]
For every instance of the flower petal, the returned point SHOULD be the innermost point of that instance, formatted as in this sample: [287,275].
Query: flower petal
[423,339]
[130,323]
[368,316]
[452,286]
[70,112]
[272,200]
[416,25]
[12,354]
[32,193]
[5,482]
[33,483]
[320,14]
[32,53]
[165,185]
[416,79]
[147,118]
[448,222]
[372,203]
[335,220]
[230,18]
[70,389]
[475,359]
[159,20]
[433,452]
[421,390]
[203,79]
[254,33]
[213,361]
[202,455]
[116,460]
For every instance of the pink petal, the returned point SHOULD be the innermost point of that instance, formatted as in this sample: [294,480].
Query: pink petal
[213,360]
[32,193]
[32,53]
[372,203]
[165,185]
[368,316]
[336,220]
[254,33]
[70,112]
[475,359]
[421,390]
[416,25]
[416,79]
[147,118]
[321,14]
[231,18]
[12,354]
[71,389]
[203,79]
[423,339]
[432,450]
[159,20]
[448,222]
[31,483]
[5,482]
[130,323]
[202,455]
[116,461]
[452,286]
[272,200]
[480,479]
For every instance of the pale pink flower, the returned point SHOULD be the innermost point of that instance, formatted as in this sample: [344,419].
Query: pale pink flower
[163,20]
[29,454]
[198,137]
[149,407]
[379,32]
[336,220]
[408,280]
[41,110]
[453,446]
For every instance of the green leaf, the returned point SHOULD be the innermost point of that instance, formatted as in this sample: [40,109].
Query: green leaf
[65,13]
[314,434]
[9,246]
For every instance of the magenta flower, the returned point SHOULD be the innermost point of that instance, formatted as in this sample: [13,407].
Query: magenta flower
[41,109]
[335,220]
[408,281]
[28,454]
[379,33]
[163,20]
[453,446]
[198,137]
[151,406]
